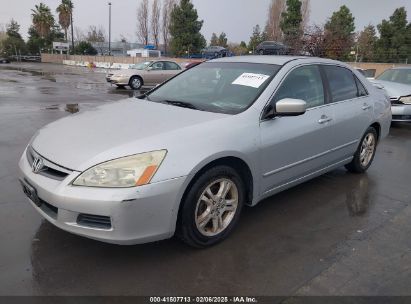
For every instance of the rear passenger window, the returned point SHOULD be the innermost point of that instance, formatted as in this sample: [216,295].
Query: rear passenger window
[342,83]
[303,83]
[172,66]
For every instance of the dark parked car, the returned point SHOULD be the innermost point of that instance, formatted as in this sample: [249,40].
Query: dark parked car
[4,60]
[271,48]
[214,51]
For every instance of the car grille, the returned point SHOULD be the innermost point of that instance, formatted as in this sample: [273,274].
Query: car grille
[94,221]
[49,169]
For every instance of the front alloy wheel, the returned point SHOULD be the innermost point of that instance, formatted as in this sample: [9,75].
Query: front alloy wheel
[216,207]
[136,83]
[211,207]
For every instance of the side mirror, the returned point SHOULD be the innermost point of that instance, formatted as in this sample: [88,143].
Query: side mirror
[150,68]
[290,107]
[286,107]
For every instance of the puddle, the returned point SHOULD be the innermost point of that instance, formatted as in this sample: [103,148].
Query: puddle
[8,80]
[358,199]
[47,90]
[23,71]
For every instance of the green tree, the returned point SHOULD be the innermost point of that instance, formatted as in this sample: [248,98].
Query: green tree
[85,48]
[256,38]
[214,39]
[185,29]
[36,44]
[13,44]
[290,25]
[366,43]
[64,10]
[339,34]
[222,40]
[243,44]
[43,20]
[394,42]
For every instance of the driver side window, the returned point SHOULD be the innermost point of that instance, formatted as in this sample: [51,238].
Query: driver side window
[303,83]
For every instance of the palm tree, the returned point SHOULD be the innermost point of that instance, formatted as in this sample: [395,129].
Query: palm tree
[65,9]
[43,20]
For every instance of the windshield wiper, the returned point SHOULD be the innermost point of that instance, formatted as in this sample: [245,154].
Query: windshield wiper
[182,104]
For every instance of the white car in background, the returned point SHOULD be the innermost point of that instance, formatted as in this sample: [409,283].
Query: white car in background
[397,84]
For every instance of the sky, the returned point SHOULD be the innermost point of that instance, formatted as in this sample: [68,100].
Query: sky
[234,17]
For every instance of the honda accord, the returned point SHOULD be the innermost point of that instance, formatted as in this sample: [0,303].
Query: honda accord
[184,158]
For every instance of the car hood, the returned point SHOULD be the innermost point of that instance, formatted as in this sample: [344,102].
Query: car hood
[394,89]
[115,130]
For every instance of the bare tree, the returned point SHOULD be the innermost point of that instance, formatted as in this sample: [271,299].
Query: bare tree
[143,22]
[97,37]
[167,9]
[155,22]
[315,41]
[273,29]
[96,34]
[78,34]
[305,13]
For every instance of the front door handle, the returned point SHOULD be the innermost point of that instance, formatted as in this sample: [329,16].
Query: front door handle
[324,119]
[366,106]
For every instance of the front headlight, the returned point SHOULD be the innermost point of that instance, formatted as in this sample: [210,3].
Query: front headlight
[125,172]
[406,99]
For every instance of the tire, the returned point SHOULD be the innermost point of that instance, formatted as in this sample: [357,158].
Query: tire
[136,82]
[261,52]
[365,153]
[208,221]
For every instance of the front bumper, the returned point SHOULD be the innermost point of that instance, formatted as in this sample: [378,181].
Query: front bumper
[118,80]
[401,113]
[136,215]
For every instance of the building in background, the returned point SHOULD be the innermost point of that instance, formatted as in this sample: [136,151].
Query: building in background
[117,48]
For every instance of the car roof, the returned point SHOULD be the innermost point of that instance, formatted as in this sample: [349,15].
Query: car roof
[279,60]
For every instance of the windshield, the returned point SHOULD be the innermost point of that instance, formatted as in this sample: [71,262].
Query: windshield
[396,75]
[141,65]
[218,87]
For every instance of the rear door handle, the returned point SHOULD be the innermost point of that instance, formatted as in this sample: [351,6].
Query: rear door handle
[366,106]
[324,119]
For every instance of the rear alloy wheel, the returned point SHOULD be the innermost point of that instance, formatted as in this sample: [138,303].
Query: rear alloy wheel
[365,153]
[262,52]
[211,207]
[136,83]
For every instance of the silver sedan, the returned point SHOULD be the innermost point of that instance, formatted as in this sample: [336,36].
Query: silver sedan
[186,157]
[397,83]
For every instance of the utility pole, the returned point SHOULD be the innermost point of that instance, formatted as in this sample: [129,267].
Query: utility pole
[72,31]
[109,28]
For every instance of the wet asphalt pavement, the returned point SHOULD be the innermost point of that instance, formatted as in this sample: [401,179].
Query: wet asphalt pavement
[339,234]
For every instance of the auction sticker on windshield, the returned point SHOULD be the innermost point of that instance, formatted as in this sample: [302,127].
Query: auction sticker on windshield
[251,80]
